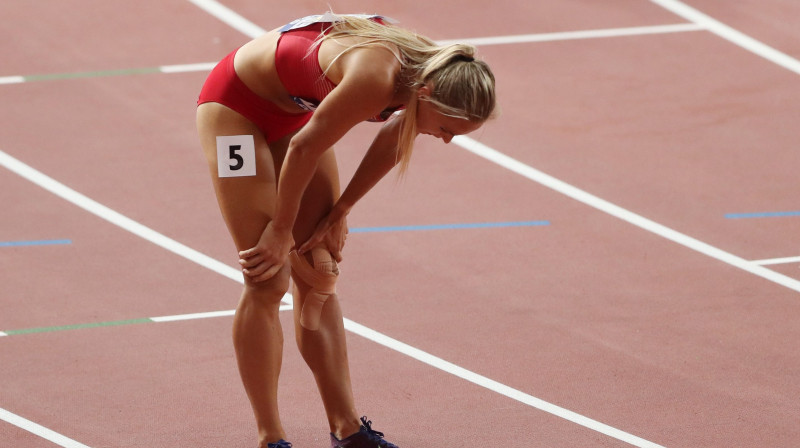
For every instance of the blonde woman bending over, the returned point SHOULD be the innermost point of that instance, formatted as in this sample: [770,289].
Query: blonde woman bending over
[268,117]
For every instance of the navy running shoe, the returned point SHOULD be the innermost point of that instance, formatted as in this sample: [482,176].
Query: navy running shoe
[366,437]
[280,444]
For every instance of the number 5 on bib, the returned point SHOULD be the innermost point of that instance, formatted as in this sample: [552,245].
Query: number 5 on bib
[236,156]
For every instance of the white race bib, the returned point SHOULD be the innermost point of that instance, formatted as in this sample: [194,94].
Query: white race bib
[236,156]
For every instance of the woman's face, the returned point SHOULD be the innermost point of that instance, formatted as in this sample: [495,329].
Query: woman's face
[431,121]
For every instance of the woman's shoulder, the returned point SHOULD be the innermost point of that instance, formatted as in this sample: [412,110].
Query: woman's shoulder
[356,57]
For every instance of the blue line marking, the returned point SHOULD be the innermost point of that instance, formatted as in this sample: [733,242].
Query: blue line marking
[449,226]
[33,243]
[761,215]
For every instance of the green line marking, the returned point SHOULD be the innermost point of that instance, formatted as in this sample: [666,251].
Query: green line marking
[115,323]
[180,68]
[78,326]
[94,74]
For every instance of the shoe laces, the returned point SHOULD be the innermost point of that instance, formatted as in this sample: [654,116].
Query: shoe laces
[375,436]
[280,444]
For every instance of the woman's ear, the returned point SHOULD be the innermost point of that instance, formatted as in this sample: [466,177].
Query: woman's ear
[423,92]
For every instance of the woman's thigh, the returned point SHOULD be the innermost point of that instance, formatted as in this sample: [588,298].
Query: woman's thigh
[247,201]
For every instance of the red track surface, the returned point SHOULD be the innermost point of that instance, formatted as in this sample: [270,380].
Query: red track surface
[589,313]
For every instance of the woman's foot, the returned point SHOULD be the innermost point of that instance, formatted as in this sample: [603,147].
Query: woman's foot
[366,437]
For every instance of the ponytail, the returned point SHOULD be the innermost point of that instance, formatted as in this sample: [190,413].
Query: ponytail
[461,85]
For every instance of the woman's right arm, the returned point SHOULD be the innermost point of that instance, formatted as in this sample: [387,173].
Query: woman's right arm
[366,88]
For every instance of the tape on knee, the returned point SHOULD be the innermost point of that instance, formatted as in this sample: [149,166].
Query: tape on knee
[321,277]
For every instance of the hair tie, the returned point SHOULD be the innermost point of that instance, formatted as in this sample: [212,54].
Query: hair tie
[464,57]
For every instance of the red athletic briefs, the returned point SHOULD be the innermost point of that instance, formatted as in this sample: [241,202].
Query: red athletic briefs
[223,86]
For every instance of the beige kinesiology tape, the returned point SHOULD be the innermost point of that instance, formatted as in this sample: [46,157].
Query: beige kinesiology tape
[321,277]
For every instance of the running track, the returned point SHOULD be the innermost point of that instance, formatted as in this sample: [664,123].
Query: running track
[612,262]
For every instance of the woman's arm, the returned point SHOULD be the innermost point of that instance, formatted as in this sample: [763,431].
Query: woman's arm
[380,158]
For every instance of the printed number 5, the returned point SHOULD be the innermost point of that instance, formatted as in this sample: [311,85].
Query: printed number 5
[233,156]
[236,156]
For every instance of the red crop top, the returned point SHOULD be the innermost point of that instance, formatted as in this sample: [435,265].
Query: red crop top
[297,62]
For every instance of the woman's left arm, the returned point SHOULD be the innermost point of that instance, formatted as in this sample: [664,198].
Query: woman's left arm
[380,158]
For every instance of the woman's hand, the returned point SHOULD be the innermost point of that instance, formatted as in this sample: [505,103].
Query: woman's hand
[331,232]
[264,260]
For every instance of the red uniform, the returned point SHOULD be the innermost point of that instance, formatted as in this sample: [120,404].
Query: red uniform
[297,63]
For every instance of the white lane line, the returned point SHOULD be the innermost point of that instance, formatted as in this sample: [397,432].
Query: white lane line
[730,34]
[193,316]
[100,210]
[212,314]
[495,386]
[39,430]
[230,17]
[769,261]
[535,175]
[250,29]
[12,79]
[572,35]
[184,68]
[116,218]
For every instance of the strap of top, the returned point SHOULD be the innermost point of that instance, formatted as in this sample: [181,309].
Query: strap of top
[329,17]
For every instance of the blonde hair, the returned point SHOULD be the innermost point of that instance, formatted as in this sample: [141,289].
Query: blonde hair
[461,86]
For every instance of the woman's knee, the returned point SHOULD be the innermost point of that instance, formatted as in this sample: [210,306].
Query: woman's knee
[269,292]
